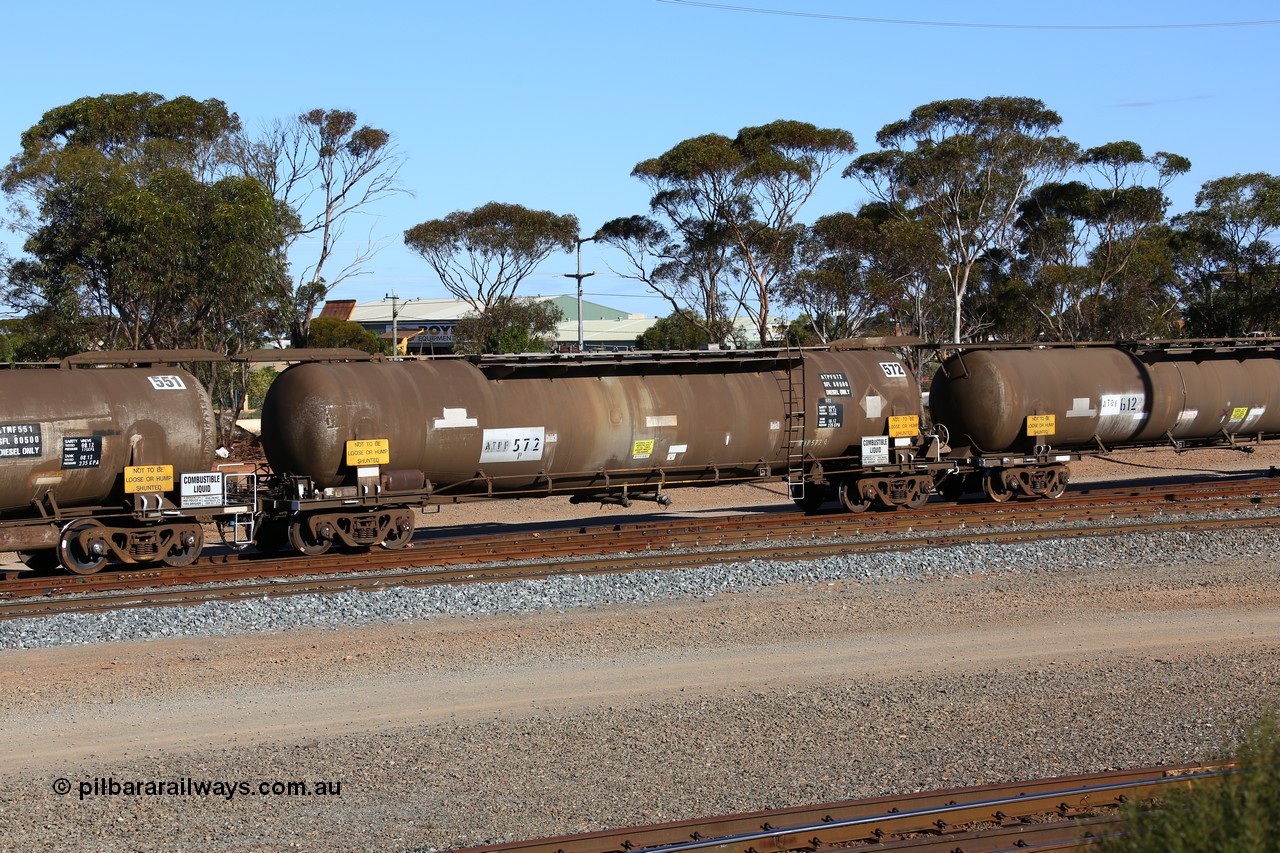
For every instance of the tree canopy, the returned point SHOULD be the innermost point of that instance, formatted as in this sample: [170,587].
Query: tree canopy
[510,325]
[482,255]
[323,167]
[134,239]
[734,204]
[155,222]
[962,167]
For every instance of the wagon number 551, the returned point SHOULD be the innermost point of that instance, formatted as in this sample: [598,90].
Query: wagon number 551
[167,383]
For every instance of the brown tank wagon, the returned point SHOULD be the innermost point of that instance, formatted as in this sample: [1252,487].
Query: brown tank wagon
[107,457]
[612,427]
[1039,402]
[89,455]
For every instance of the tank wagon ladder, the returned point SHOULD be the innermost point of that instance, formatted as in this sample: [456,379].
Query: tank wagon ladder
[793,401]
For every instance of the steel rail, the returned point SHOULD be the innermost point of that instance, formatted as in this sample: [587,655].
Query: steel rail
[580,536]
[941,816]
[538,568]
[630,547]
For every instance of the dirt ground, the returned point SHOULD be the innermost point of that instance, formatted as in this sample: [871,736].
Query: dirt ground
[452,730]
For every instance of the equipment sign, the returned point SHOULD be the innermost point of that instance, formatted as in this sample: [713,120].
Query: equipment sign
[520,444]
[20,440]
[835,384]
[147,479]
[202,490]
[368,451]
[1042,424]
[830,415]
[167,383]
[875,450]
[81,451]
[904,426]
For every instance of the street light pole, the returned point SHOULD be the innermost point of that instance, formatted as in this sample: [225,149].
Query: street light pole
[580,275]
[395,336]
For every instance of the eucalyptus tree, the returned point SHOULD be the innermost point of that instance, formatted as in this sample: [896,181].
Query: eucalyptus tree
[513,324]
[962,168]
[482,255]
[1079,236]
[833,283]
[1228,258]
[133,240]
[693,270]
[325,168]
[746,193]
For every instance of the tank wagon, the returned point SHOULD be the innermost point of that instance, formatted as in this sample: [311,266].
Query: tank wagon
[1016,414]
[365,442]
[108,455]
[102,462]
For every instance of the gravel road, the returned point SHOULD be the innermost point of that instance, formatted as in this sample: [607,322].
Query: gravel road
[450,729]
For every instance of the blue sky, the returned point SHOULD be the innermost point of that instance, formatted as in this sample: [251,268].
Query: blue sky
[550,104]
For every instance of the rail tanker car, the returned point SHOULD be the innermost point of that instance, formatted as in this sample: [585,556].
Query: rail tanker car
[365,442]
[1015,414]
[97,462]
[102,463]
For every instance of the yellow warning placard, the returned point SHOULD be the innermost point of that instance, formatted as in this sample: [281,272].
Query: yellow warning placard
[904,426]
[368,451]
[1240,413]
[1042,424]
[144,479]
[642,448]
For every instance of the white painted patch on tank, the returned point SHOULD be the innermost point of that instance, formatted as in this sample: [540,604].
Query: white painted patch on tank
[1255,414]
[1123,405]
[454,419]
[872,404]
[518,444]
[1081,408]
[1186,417]
[660,420]
[774,426]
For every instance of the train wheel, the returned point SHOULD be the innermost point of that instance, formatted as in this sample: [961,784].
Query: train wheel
[301,538]
[81,549]
[994,486]
[851,497]
[186,546]
[400,534]
[1058,486]
[919,499]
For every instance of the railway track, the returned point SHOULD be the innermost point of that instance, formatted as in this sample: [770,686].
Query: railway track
[1063,813]
[534,552]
